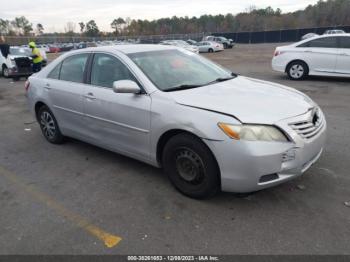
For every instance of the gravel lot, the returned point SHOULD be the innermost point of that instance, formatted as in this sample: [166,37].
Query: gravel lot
[78,199]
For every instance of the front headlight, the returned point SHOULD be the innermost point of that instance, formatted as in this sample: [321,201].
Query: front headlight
[253,132]
[13,62]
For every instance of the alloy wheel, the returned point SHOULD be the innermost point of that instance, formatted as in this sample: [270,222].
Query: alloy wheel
[48,125]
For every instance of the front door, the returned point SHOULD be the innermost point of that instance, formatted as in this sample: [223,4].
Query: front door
[321,54]
[120,122]
[343,61]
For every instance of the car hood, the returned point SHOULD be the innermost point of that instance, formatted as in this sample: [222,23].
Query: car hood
[17,56]
[249,100]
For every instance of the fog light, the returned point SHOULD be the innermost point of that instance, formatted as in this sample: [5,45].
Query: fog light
[288,155]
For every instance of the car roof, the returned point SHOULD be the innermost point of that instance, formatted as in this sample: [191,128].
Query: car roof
[128,49]
[331,35]
[319,37]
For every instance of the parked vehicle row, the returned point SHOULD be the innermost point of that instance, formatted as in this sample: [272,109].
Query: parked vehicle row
[210,44]
[182,44]
[326,55]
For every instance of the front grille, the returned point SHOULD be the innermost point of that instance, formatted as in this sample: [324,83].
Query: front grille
[311,127]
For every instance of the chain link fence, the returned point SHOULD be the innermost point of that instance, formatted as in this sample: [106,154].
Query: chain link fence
[275,36]
[152,39]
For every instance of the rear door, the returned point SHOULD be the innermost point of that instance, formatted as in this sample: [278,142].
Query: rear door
[343,61]
[321,54]
[203,47]
[65,85]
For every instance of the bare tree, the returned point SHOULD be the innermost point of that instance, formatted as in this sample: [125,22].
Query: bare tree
[82,27]
[70,27]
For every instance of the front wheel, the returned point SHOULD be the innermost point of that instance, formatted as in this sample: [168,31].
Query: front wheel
[5,72]
[191,166]
[49,126]
[297,70]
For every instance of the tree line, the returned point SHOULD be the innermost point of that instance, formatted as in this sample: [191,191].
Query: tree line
[323,13]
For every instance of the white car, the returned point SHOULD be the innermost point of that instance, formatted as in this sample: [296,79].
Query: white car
[309,35]
[182,44]
[332,32]
[15,61]
[326,55]
[209,47]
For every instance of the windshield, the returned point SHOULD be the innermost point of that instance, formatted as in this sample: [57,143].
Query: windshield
[20,51]
[174,69]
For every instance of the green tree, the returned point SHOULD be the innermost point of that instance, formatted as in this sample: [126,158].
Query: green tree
[92,28]
[22,25]
[117,25]
[4,26]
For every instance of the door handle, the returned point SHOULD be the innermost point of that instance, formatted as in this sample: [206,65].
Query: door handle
[90,96]
[47,86]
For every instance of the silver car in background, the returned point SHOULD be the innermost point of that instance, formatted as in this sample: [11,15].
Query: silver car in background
[209,47]
[208,128]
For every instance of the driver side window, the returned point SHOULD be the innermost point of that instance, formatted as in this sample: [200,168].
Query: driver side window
[106,69]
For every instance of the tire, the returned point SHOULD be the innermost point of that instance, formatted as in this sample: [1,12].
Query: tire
[297,70]
[191,166]
[210,50]
[225,46]
[5,71]
[49,126]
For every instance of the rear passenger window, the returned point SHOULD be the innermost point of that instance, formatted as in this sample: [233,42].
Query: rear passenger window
[73,68]
[55,73]
[345,42]
[327,42]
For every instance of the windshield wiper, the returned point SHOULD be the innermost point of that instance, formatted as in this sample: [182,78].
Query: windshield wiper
[181,87]
[220,79]
[184,87]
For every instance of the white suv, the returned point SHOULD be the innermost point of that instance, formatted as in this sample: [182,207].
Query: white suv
[326,55]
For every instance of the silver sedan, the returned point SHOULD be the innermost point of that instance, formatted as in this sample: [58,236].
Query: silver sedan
[209,47]
[209,128]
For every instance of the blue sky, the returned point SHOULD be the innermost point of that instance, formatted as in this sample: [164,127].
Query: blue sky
[54,14]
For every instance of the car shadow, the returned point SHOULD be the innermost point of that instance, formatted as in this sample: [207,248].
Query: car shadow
[142,172]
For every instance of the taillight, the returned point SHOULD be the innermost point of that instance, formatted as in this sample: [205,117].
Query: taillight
[26,85]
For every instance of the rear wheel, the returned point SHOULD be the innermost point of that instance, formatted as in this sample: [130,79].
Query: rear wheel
[297,70]
[49,126]
[210,50]
[191,167]
[225,45]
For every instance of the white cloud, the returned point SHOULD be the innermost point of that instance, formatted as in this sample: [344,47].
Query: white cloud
[55,14]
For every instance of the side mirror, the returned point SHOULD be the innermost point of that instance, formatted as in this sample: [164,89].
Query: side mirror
[126,87]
